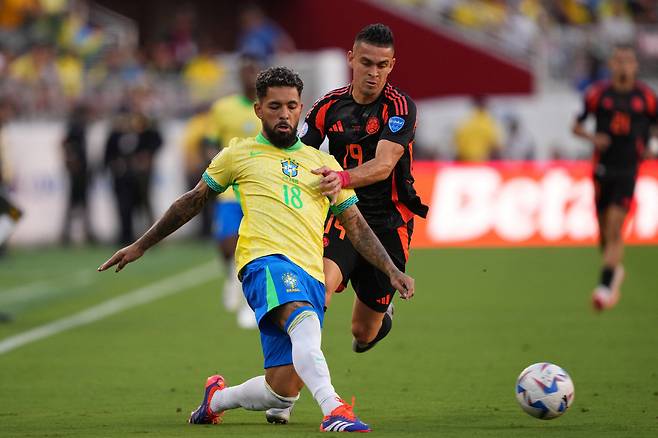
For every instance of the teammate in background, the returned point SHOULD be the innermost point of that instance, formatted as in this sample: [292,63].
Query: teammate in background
[624,110]
[279,255]
[371,126]
[233,116]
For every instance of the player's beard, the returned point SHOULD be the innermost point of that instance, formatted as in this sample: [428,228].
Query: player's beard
[278,139]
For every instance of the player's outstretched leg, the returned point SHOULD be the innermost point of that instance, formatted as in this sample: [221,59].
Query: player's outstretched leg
[254,395]
[363,340]
[303,327]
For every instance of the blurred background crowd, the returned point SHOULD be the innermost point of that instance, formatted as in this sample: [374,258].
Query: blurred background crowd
[148,71]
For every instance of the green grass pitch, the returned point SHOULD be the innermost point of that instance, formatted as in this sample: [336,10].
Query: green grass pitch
[448,368]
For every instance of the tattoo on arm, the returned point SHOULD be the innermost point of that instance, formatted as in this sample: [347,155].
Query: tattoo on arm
[365,241]
[179,213]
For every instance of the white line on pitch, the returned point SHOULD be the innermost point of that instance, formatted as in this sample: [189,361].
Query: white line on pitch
[40,289]
[143,295]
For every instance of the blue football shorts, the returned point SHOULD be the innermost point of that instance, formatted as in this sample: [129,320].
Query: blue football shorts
[269,282]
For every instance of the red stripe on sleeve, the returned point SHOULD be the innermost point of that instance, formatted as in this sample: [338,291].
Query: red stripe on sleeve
[322,113]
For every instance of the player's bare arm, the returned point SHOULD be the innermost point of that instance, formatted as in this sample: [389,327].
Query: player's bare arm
[179,213]
[600,140]
[367,244]
[378,169]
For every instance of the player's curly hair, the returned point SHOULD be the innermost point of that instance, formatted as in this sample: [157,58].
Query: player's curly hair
[377,34]
[277,77]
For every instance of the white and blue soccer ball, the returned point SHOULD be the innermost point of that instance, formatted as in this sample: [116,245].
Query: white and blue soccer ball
[544,390]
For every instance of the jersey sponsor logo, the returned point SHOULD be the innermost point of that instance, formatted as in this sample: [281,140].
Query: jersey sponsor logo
[395,123]
[290,168]
[303,130]
[290,281]
[372,125]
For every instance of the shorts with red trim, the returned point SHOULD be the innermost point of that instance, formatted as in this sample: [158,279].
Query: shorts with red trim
[616,189]
[372,286]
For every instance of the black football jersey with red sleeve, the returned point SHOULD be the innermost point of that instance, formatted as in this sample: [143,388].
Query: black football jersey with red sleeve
[627,118]
[354,130]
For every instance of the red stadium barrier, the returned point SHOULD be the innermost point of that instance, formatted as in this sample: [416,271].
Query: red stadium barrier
[507,204]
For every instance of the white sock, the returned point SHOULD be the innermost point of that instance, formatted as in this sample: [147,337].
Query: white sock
[309,361]
[254,394]
[6,227]
[232,291]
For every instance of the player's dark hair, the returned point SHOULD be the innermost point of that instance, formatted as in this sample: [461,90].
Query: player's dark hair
[277,77]
[377,34]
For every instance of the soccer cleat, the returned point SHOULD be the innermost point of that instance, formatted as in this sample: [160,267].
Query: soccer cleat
[203,414]
[603,297]
[278,416]
[383,331]
[342,419]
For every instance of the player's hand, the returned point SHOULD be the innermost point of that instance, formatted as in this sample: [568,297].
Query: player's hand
[330,183]
[403,283]
[122,257]
[601,141]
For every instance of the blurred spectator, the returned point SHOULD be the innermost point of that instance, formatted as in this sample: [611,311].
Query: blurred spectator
[148,144]
[108,79]
[74,148]
[204,74]
[129,153]
[478,137]
[616,22]
[261,36]
[161,59]
[9,213]
[36,71]
[197,157]
[595,67]
[519,144]
[70,75]
[181,35]
[480,14]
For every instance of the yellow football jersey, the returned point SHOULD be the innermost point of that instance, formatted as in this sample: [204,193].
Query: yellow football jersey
[231,116]
[284,211]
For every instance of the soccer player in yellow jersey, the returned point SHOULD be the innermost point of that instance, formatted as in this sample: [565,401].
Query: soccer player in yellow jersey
[279,255]
[230,117]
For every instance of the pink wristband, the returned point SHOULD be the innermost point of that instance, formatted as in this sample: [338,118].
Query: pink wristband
[345,179]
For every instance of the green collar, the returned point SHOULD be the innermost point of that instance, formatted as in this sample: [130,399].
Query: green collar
[260,138]
[245,100]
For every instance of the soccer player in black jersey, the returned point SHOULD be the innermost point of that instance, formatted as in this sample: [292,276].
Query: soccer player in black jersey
[370,126]
[624,110]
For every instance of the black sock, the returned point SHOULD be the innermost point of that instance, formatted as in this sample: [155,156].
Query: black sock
[387,324]
[606,276]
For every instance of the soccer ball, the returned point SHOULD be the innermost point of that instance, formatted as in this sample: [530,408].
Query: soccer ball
[544,390]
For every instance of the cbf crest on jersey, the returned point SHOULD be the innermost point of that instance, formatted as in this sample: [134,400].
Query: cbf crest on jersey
[290,168]
[290,280]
